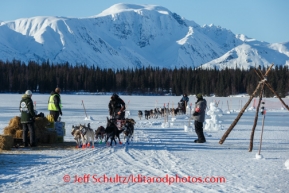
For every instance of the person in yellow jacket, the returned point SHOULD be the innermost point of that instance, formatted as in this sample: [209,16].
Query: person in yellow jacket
[54,104]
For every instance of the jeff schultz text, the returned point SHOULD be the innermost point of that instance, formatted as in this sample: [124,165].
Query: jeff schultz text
[86,178]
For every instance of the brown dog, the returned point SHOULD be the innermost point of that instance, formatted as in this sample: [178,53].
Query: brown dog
[99,133]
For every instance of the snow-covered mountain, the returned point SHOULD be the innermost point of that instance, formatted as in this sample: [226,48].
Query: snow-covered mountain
[134,36]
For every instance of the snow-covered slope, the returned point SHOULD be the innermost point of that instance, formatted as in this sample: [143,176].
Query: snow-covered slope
[129,35]
[252,53]
[248,55]
[159,159]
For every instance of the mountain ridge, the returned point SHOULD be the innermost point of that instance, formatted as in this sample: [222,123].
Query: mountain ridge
[134,36]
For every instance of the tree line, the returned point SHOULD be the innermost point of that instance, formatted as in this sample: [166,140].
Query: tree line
[16,77]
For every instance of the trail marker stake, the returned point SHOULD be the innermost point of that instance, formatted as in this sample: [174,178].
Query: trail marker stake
[84,109]
[263,111]
[263,82]
[190,118]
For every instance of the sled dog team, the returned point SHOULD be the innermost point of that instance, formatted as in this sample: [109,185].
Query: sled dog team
[84,136]
[161,112]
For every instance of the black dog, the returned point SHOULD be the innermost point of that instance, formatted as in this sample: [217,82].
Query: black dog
[147,114]
[111,131]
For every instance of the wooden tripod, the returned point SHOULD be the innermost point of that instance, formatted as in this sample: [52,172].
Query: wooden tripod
[261,85]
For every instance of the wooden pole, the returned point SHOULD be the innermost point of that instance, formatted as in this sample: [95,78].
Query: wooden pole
[258,74]
[228,105]
[84,109]
[256,119]
[262,82]
[185,107]
[267,72]
[270,87]
[126,106]
[226,134]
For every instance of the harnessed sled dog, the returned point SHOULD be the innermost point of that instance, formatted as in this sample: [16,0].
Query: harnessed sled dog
[88,135]
[99,134]
[147,114]
[128,130]
[112,131]
[140,114]
[181,108]
[83,135]
[76,133]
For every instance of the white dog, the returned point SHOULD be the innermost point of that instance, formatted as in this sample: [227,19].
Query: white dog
[87,135]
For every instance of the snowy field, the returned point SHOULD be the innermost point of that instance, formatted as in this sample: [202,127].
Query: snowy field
[161,158]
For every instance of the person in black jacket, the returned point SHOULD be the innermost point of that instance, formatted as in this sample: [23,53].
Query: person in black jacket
[54,104]
[116,107]
[199,117]
[26,108]
[184,101]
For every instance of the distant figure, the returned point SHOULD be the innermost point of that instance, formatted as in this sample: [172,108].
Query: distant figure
[199,117]
[27,119]
[54,104]
[116,107]
[184,100]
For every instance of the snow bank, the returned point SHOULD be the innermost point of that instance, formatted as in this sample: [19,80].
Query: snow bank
[88,118]
[287,164]
[188,128]
[213,124]
[259,156]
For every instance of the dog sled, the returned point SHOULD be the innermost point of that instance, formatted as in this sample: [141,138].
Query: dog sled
[181,108]
[125,126]
[83,135]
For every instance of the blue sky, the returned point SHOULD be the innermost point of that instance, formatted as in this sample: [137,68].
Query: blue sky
[264,20]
